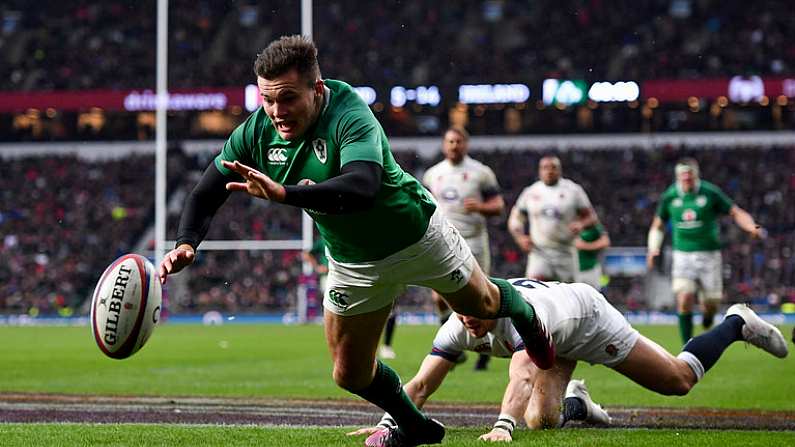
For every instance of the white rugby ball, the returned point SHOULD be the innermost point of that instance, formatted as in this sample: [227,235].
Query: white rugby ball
[126,306]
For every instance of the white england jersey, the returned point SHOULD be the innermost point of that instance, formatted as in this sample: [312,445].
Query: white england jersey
[550,210]
[450,184]
[583,326]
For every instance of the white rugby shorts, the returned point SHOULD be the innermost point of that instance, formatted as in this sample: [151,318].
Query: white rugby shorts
[603,336]
[479,246]
[699,270]
[440,260]
[551,265]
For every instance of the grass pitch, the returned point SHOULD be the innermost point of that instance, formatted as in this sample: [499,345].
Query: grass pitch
[293,362]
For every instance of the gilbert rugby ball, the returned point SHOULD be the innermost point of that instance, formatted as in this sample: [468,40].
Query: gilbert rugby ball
[125,306]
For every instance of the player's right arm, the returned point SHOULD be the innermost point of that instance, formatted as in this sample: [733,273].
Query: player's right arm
[516,398]
[200,207]
[516,224]
[654,241]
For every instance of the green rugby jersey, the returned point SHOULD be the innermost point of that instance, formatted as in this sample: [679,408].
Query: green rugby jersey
[694,216]
[589,258]
[346,131]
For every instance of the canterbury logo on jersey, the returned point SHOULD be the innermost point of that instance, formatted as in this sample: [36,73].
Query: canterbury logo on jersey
[277,155]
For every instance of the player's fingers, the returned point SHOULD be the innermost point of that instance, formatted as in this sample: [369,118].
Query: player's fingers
[237,186]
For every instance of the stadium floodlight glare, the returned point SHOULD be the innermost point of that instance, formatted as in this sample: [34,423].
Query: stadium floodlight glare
[367,94]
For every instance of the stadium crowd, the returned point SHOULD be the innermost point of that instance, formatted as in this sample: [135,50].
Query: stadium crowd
[111,44]
[63,219]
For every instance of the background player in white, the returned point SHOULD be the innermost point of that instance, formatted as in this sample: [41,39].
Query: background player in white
[557,209]
[694,207]
[585,327]
[467,192]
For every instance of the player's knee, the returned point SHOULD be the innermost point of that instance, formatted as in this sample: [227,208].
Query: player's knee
[542,418]
[349,379]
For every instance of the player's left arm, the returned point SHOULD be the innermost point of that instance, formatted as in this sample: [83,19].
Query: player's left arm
[516,398]
[744,220]
[492,205]
[599,244]
[585,218]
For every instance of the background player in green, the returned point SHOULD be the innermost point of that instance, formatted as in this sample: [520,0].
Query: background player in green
[693,207]
[316,145]
[590,243]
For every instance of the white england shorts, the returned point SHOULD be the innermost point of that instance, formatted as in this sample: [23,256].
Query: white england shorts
[694,271]
[592,277]
[551,265]
[601,336]
[479,246]
[440,260]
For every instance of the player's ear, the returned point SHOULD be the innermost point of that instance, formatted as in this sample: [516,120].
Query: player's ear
[319,87]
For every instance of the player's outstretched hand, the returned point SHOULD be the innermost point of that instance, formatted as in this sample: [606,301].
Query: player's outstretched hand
[759,233]
[364,431]
[175,260]
[496,435]
[257,184]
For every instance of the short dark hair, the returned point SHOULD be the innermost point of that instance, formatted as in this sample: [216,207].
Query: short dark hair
[289,52]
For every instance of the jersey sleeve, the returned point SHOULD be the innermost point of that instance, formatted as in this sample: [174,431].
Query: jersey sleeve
[359,139]
[662,208]
[238,146]
[521,201]
[583,202]
[450,340]
[488,184]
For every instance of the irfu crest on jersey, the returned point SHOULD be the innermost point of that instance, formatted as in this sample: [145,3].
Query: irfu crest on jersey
[319,146]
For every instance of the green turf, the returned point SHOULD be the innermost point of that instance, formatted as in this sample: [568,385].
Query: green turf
[292,361]
[193,435]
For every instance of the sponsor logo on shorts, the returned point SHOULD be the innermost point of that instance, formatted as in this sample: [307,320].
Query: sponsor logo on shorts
[611,350]
[456,276]
[338,298]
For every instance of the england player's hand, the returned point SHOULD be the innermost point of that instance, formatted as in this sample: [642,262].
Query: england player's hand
[497,435]
[364,431]
[524,243]
[472,205]
[175,260]
[257,184]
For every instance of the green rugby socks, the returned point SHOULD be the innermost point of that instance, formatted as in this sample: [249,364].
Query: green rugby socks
[686,327]
[387,392]
[512,304]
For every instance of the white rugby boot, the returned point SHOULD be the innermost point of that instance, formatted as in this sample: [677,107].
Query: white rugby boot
[759,332]
[595,413]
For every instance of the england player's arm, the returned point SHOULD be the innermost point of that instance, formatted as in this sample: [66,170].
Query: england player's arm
[586,216]
[493,203]
[654,241]
[516,398]
[517,221]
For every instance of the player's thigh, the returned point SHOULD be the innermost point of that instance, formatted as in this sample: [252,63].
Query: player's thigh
[651,366]
[549,386]
[352,341]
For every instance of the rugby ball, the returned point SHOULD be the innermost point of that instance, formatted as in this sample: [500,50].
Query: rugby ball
[125,306]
